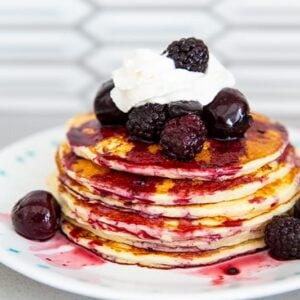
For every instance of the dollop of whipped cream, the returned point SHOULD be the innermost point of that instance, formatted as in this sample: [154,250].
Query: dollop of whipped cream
[148,77]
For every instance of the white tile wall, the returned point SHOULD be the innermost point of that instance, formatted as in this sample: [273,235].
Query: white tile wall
[55,53]
[40,13]
[42,45]
[260,45]
[273,13]
[150,26]
[43,79]
[150,3]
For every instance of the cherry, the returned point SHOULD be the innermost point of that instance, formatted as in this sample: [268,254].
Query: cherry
[181,108]
[228,116]
[36,216]
[105,109]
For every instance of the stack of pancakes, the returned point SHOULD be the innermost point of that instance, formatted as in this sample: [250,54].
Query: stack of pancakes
[126,202]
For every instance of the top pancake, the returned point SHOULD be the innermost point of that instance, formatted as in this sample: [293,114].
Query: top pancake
[264,142]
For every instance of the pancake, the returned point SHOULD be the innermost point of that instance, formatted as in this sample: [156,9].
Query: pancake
[272,194]
[161,228]
[195,245]
[218,160]
[126,202]
[126,254]
[162,191]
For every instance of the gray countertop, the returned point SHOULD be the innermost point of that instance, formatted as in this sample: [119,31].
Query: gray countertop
[15,286]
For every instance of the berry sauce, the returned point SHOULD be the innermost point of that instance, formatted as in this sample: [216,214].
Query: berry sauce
[5,217]
[91,133]
[64,254]
[59,251]
[233,223]
[240,268]
[133,186]
[216,157]
[257,200]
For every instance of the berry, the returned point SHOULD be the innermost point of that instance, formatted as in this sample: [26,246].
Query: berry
[36,216]
[190,54]
[181,108]
[297,209]
[232,271]
[146,122]
[282,236]
[105,109]
[228,116]
[182,138]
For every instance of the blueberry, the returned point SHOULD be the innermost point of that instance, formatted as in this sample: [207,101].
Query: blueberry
[105,109]
[228,116]
[36,216]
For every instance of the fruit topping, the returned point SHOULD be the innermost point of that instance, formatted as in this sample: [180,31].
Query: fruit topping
[228,116]
[181,108]
[232,271]
[146,122]
[182,138]
[105,109]
[282,236]
[189,53]
[36,216]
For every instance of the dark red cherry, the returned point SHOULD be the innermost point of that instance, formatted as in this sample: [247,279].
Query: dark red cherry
[105,109]
[297,209]
[36,216]
[181,108]
[228,116]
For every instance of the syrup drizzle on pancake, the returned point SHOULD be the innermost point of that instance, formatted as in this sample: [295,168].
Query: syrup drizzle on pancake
[149,188]
[215,156]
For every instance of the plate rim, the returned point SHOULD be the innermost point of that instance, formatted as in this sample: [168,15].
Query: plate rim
[65,283]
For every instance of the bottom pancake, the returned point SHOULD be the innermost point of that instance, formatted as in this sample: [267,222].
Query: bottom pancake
[125,254]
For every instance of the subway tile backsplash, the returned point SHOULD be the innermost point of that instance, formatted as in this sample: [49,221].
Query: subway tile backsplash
[57,52]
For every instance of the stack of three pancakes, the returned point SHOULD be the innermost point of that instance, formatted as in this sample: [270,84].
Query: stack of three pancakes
[126,202]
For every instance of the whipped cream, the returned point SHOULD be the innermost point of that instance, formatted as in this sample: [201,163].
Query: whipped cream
[148,77]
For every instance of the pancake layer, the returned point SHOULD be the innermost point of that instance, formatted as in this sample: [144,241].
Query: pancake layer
[270,195]
[162,228]
[165,191]
[126,254]
[264,142]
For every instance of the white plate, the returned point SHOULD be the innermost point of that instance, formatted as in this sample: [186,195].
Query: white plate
[25,166]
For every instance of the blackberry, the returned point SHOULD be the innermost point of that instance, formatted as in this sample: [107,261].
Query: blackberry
[189,53]
[105,109]
[181,108]
[146,122]
[228,116]
[282,236]
[182,138]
